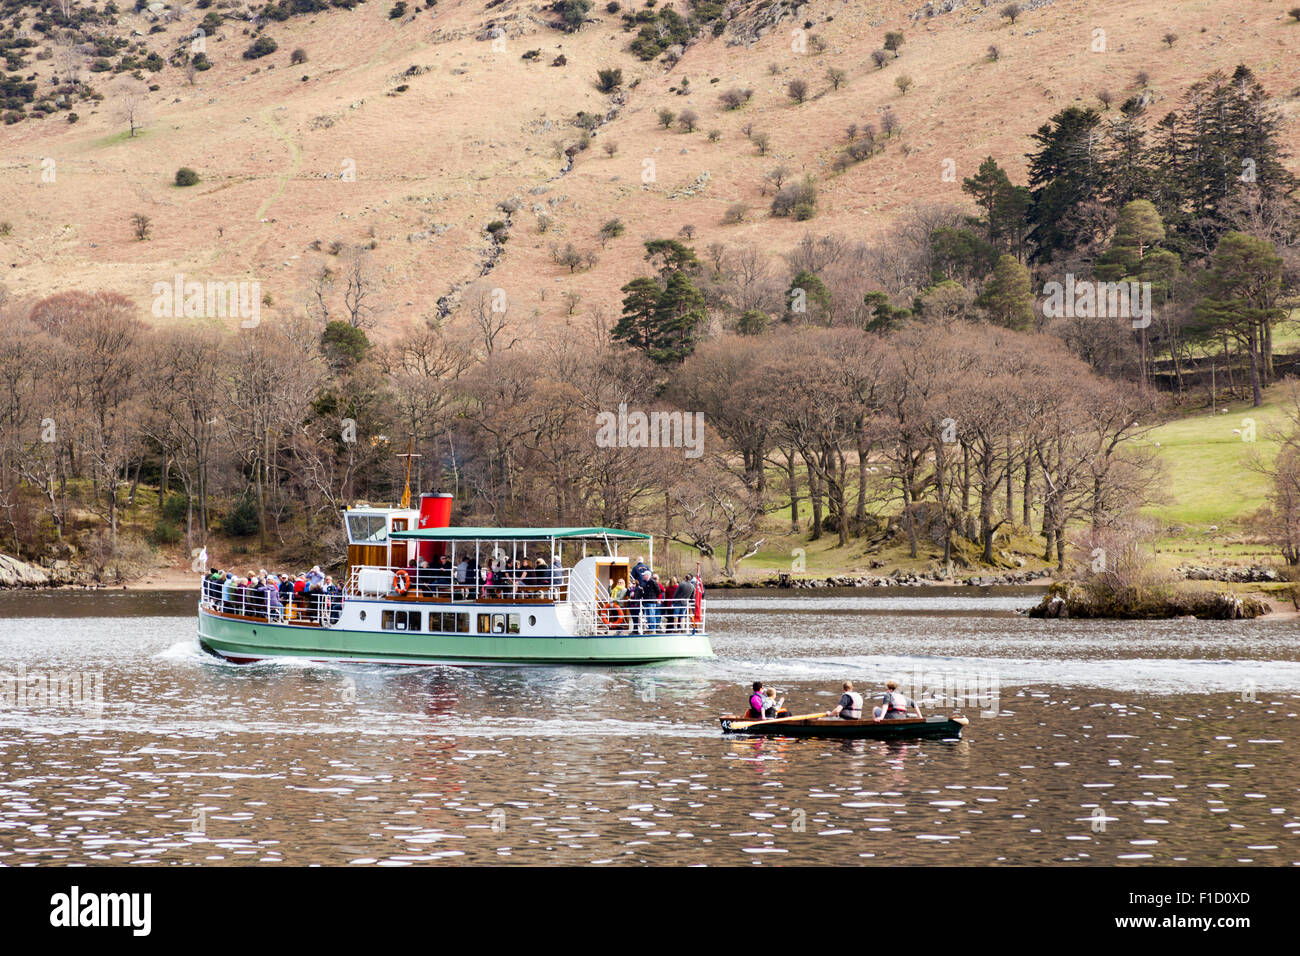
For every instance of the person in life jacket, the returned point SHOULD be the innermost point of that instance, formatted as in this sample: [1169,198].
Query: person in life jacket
[893,705]
[771,706]
[756,702]
[850,705]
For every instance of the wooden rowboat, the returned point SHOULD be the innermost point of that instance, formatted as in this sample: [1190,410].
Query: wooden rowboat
[938,727]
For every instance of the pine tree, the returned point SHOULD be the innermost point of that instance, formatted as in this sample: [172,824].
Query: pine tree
[1128,166]
[1008,296]
[1132,257]
[678,317]
[1229,139]
[807,299]
[640,303]
[1241,291]
[1064,175]
[663,318]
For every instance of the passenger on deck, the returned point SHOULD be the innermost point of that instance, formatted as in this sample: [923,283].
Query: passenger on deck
[274,607]
[228,593]
[651,595]
[442,577]
[635,608]
[333,600]
[423,580]
[850,705]
[894,704]
[640,572]
[685,599]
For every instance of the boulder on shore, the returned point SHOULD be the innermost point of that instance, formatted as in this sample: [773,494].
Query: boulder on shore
[20,574]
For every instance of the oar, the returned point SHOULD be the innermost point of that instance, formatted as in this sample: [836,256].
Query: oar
[746,724]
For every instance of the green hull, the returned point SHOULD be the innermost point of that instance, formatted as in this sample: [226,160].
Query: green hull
[242,641]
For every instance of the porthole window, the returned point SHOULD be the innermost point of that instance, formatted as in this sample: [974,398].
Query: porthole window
[363,615]
[532,620]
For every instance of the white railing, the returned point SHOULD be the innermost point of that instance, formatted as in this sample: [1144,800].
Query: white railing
[306,607]
[596,612]
[537,584]
[648,616]
[586,596]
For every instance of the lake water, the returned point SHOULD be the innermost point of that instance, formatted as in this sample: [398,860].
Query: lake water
[1089,743]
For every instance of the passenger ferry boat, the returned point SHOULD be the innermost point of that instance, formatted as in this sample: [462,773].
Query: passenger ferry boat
[397,606]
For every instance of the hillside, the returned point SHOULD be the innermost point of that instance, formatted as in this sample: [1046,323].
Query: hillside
[478,125]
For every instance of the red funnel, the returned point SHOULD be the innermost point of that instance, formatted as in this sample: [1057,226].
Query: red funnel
[435,512]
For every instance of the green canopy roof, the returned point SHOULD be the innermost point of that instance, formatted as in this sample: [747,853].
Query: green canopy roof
[512,534]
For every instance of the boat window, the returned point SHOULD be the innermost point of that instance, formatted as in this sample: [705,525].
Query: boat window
[367,529]
[449,622]
[532,620]
[513,627]
[401,620]
[485,623]
[498,623]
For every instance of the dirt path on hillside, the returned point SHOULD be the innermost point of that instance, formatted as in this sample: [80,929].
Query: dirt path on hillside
[295,153]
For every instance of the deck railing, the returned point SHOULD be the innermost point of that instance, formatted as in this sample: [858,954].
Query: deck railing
[546,585]
[306,607]
[648,616]
[595,611]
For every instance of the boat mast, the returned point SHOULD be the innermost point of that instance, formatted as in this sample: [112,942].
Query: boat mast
[406,491]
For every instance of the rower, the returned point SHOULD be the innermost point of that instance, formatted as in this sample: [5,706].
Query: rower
[850,705]
[756,701]
[893,705]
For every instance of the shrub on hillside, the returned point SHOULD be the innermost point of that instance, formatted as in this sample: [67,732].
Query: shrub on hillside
[609,79]
[262,46]
[186,177]
[573,13]
[796,200]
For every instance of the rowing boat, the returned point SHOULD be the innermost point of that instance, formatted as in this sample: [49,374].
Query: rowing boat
[940,727]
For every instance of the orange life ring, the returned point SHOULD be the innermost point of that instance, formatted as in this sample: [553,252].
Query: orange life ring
[401,582]
[611,615]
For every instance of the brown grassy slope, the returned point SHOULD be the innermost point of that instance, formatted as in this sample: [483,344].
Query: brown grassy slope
[472,131]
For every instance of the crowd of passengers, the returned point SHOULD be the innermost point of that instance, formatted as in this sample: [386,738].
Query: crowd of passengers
[308,596]
[500,578]
[646,606]
[649,606]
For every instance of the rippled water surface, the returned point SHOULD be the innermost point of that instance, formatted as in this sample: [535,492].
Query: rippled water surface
[1089,742]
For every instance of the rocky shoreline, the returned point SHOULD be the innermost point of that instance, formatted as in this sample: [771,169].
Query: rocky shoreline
[1252,575]
[20,574]
[894,580]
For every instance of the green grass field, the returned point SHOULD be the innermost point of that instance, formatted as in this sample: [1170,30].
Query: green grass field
[1208,474]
